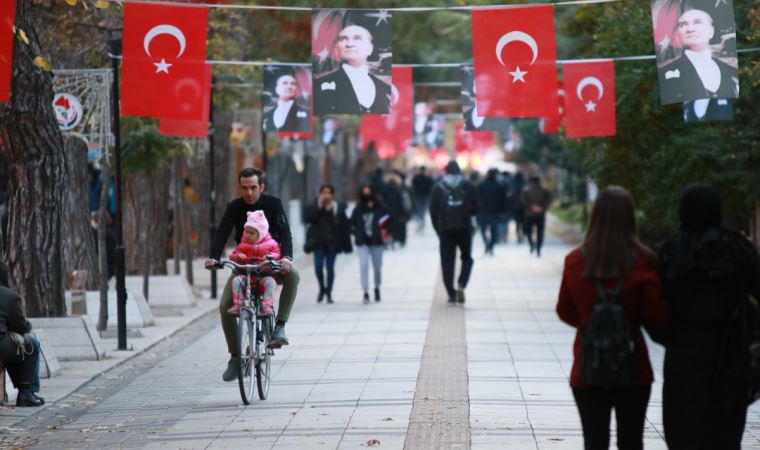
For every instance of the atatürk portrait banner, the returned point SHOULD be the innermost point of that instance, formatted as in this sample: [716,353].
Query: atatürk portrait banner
[695,43]
[351,61]
[286,99]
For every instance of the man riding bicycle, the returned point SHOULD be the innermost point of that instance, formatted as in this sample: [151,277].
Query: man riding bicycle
[252,184]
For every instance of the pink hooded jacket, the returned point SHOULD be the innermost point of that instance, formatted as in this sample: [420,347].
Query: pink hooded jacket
[266,246]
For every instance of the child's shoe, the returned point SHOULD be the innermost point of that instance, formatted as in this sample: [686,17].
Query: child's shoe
[234,310]
[267,308]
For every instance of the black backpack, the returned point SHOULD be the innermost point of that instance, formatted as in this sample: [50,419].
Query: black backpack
[454,213]
[609,357]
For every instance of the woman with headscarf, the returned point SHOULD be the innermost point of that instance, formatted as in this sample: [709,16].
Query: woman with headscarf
[708,273]
[369,224]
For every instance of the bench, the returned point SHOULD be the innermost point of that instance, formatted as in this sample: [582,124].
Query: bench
[3,394]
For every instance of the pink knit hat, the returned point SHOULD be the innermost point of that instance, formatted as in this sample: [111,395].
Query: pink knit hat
[258,221]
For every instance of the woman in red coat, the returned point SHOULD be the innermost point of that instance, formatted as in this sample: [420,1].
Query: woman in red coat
[611,253]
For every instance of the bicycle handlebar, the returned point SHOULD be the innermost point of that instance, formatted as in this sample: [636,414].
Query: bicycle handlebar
[267,267]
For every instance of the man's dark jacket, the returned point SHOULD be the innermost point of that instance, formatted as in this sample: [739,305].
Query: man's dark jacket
[343,99]
[11,319]
[235,217]
[327,229]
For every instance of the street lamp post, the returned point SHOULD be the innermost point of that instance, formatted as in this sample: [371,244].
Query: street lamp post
[121,289]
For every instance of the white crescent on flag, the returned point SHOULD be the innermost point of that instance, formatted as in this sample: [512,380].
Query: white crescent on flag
[171,30]
[394,94]
[593,81]
[516,36]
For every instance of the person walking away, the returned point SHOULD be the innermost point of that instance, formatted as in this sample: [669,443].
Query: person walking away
[254,247]
[422,185]
[252,184]
[610,289]
[328,235]
[708,273]
[535,200]
[19,350]
[493,206]
[453,203]
[505,182]
[518,209]
[370,220]
[393,199]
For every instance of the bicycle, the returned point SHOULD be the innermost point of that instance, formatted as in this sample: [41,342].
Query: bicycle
[253,336]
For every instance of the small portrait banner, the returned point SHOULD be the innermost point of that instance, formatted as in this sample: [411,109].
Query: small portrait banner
[286,99]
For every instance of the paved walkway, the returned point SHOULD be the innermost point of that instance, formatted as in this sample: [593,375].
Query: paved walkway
[360,376]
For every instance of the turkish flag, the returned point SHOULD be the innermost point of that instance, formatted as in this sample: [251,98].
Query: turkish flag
[515,61]
[7,17]
[589,99]
[191,128]
[164,61]
[395,127]
[553,124]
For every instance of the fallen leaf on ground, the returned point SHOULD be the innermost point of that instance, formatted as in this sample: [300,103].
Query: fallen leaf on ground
[373,442]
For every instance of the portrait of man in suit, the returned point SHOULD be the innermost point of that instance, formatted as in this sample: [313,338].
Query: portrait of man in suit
[353,86]
[696,72]
[469,95]
[285,102]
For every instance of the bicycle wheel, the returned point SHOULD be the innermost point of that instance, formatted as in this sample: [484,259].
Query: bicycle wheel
[263,356]
[246,354]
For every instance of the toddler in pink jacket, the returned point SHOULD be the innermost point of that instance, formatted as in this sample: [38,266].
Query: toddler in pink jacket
[255,245]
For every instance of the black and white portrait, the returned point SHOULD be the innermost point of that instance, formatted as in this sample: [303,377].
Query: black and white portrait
[695,42]
[472,120]
[286,99]
[351,61]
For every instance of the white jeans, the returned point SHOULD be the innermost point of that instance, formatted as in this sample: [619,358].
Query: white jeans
[376,252]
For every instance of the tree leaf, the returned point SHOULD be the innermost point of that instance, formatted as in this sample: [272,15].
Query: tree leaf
[42,63]
[21,35]
[72,2]
[102,4]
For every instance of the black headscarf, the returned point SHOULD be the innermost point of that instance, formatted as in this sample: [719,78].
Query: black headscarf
[703,247]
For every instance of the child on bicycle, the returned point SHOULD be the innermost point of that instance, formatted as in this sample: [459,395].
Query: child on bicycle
[255,245]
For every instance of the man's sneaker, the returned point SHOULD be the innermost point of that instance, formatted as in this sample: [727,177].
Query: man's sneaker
[365,299]
[452,300]
[460,296]
[377,294]
[329,297]
[231,372]
[278,337]
[28,398]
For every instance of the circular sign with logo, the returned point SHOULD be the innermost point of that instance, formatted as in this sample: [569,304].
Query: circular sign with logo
[68,111]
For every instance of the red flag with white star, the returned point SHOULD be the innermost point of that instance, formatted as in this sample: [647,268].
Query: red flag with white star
[164,61]
[515,61]
[191,128]
[553,124]
[589,99]
[7,17]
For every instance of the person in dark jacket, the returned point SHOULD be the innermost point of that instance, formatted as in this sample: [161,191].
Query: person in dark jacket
[453,203]
[19,350]
[328,235]
[393,197]
[369,224]
[707,273]
[535,201]
[252,185]
[493,206]
[518,213]
[611,252]
[422,184]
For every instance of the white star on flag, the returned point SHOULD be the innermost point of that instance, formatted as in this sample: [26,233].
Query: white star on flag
[162,66]
[323,55]
[590,106]
[518,75]
[665,42]
[382,16]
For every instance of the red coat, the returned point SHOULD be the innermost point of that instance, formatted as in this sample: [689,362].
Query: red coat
[640,298]
[267,247]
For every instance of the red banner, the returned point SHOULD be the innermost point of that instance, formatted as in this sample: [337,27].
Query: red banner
[515,61]
[164,61]
[589,99]
[7,17]
[395,127]
[553,124]
[191,128]
[469,141]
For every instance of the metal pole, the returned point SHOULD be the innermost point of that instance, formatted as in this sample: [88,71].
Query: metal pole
[121,289]
[212,178]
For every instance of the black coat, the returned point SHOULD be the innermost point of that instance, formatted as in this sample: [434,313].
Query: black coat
[11,319]
[296,121]
[492,197]
[328,229]
[438,198]
[680,82]
[334,94]
[379,212]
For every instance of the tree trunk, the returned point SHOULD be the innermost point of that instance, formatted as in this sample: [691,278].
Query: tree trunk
[103,218]
[79,251]
[147,213]
[184,218]
[177,231]
[32,243]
